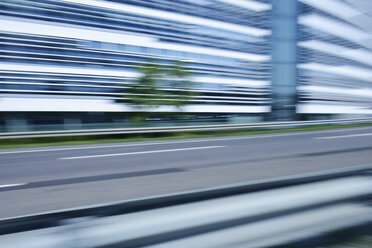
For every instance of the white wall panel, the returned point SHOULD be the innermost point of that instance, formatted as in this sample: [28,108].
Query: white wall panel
[25,26]
[172,16]
[57,104]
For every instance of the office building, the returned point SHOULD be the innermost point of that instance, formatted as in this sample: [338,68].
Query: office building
[67,62]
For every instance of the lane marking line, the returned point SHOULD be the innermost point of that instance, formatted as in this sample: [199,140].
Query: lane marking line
[144,152]
[12,185]
[256,136]
[345,136]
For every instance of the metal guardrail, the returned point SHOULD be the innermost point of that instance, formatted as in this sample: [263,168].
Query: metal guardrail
[143,130]
[267,213]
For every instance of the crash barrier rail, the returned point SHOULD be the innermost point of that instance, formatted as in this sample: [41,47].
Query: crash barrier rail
[144,130]
[267,213]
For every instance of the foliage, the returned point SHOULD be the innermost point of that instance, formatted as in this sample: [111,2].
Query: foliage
[159,85]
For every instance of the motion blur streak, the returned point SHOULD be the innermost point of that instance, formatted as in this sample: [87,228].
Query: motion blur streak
[53,183]
[65,64]
[91,71]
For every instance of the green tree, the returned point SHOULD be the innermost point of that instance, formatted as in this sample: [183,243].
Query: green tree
[158,85]
[179,85]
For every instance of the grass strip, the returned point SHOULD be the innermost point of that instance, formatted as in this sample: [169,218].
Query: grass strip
[118,138]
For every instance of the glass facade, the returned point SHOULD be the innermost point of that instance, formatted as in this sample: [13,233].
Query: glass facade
[335,57]
[91,49]
[246,57]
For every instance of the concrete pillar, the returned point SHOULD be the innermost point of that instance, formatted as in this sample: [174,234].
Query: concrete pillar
[284,59]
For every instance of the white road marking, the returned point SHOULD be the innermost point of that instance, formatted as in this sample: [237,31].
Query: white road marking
[144,152]
[12,185]
[345,136]
[258,136]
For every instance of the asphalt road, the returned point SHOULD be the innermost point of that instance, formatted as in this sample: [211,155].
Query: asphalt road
[44,179]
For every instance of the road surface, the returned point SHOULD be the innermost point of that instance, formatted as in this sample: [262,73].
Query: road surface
[44,179]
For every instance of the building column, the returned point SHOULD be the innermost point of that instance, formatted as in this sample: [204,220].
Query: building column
[284,59]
